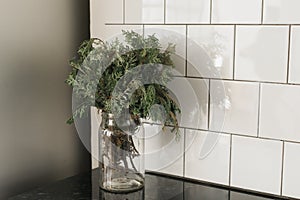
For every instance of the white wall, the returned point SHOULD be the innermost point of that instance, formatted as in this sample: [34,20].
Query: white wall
[259,145]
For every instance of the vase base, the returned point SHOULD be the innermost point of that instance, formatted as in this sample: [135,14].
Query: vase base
[123,185]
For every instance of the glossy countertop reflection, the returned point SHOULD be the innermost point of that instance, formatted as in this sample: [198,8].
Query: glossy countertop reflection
[157,187]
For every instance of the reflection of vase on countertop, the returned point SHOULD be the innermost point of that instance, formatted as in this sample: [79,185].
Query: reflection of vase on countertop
[137,195]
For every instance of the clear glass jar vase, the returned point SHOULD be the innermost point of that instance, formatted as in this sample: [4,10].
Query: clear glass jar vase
[121,154]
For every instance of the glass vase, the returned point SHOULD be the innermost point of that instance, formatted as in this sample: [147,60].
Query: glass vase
[121,154]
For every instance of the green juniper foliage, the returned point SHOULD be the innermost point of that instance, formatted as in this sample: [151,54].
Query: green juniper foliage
[97,72]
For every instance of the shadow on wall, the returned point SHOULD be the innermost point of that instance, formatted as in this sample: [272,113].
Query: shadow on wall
[37,39]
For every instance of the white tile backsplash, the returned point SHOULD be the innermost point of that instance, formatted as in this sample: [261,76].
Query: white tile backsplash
[192,95]
[281,11]
[261,53]
[144,11]
[280,112]
[291,173]
[239,67]
[207,162]
[163,152]
[210,51]
[234,107]
[100,16]
[236,11]
[106,16]
[187,11]
[294,67]
[256,164]
[175,34]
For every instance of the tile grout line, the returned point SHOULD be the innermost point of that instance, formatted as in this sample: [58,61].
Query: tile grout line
[230,160]
[234,52]
[195,24]
[239,80]
[259,107]
[262,11]
[208,104]
[186,50]
[165,10]
[242,135]
[289,54]
[282,166]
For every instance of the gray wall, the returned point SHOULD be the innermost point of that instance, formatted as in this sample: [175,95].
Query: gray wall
[37,37]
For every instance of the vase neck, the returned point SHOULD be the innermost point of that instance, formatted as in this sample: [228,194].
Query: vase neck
[123,123]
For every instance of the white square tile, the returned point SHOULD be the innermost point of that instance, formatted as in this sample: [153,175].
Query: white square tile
[163,151]
[188,11]
[210,51]
[261,53]
[236,11]
[281,11]
[207,156]
[106,11]
[294,70]
[256,164]
[192,96]
[102,12]
[144,11]
[291,173]
[175,34]
[280,112]
[234,107]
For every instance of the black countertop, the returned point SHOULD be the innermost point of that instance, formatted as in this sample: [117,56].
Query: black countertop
[157,187]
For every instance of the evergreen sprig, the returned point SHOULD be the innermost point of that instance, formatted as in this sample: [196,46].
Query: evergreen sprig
[98,72]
